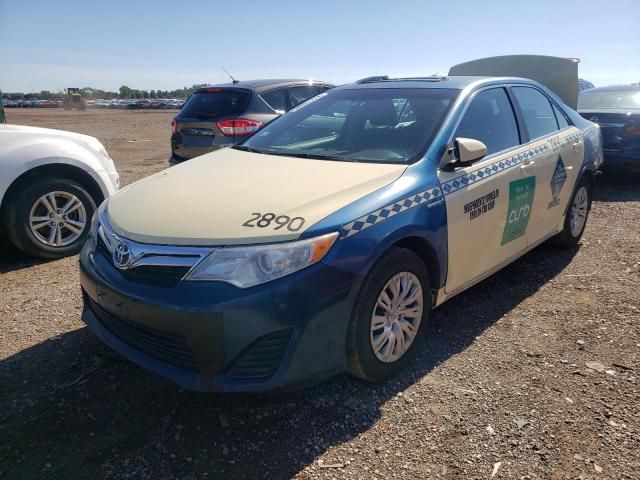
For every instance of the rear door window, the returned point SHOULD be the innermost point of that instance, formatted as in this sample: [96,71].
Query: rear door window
[299,94]
[562,119]
[490,119]
[276,99]
[537,112]
[216,103]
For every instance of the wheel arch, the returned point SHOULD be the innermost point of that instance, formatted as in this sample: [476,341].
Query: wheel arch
[590,176]
[427,253]
[55,170]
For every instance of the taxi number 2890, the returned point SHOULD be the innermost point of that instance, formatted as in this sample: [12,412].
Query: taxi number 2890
[264,220]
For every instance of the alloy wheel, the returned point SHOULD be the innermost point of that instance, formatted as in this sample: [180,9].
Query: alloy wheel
[579,211]
[57,219]
[396,317]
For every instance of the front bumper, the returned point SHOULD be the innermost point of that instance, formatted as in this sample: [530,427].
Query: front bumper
[108,181]
[211,336]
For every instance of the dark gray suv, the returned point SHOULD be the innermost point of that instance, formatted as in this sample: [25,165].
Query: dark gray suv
[222,115]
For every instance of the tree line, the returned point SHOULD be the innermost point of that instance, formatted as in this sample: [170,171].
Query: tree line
[124,92]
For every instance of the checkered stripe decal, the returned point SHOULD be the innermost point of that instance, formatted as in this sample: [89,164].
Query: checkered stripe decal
[453,185]
[362,223]
[467,179]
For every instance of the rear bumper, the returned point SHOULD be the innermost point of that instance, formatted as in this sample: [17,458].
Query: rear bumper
[181,151]
[209,336]
[621,159]
[175,159]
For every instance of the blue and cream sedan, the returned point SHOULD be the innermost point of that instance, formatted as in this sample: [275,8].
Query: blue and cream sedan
[323,242]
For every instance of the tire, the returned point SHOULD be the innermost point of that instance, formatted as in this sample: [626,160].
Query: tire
[28,203]
[578,211]
[363,361]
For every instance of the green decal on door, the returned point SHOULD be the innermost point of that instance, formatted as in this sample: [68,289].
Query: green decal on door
[520,204]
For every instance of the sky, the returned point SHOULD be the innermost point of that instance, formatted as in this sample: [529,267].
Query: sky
[49,45]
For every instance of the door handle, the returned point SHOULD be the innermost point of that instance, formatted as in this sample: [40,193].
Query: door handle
[577,144]
[527,165]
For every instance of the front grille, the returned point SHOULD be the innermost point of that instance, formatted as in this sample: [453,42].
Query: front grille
[263,357]
[156,273]
[164,346]
[161,275]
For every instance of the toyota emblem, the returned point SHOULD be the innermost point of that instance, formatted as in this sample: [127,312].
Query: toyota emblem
[121,255]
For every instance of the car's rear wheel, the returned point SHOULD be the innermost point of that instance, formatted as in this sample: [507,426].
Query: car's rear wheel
[50,218]
[576,217]
[389,316]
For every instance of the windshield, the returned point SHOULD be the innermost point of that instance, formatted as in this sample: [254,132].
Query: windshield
[609,99]
[386,125]
[215,103]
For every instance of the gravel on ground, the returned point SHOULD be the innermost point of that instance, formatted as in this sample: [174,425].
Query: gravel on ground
[531,374]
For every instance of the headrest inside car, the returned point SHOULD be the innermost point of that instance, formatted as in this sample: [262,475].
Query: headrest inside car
[382,114]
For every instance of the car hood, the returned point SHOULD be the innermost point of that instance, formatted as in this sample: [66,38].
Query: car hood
[206,200]
[49,132]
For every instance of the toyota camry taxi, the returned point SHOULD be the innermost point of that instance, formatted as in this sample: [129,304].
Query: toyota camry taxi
[322,242]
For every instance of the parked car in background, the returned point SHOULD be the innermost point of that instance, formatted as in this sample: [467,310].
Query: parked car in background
[323,241]
[584,85]
[50,184]
[222,115]
[617,110]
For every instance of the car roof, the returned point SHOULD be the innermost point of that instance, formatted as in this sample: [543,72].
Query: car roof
[615,88]
[451,82]
[266,84]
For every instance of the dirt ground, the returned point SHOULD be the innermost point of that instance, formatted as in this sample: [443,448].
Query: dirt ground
[532,374]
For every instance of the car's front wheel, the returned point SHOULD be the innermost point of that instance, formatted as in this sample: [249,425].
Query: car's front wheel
[389,316]
[50,218]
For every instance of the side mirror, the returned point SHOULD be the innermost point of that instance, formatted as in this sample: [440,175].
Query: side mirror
[463,151]
[470,150]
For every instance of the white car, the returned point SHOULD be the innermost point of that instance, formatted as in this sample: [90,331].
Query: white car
[50,184]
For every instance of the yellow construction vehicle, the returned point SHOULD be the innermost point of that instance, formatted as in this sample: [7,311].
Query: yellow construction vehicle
[74,100]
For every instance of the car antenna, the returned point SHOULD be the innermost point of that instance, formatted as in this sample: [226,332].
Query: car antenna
[233,80]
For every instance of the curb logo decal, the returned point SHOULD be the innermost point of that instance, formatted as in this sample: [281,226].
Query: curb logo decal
[557,182]
[520,202]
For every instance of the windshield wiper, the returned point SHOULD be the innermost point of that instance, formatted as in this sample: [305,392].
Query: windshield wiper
[316,156]
[244,148]
[313,156]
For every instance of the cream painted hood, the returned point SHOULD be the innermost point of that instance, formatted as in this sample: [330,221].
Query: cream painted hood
[205,201]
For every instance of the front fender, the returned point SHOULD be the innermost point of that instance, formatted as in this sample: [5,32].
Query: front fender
[26,156]
[411,207]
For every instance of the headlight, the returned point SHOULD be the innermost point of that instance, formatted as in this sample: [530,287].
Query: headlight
[248,266]
[93,232]
[95,223]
